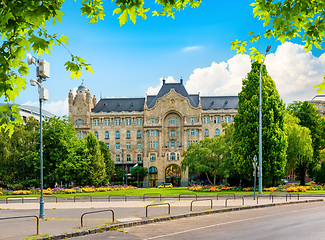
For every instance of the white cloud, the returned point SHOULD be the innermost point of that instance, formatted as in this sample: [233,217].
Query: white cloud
[192,48]
[295,72]
[155,90]
[59,108]
[222,78]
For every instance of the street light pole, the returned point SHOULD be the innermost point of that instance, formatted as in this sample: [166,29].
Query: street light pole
[42,72]
[260,128]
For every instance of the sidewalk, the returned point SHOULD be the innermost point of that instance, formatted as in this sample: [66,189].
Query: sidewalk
[63,219]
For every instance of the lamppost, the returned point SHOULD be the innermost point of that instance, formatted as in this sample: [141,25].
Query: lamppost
[254,172]
[42,72]
[123,166]
[260,128]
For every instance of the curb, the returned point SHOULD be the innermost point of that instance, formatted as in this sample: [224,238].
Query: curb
[161,219]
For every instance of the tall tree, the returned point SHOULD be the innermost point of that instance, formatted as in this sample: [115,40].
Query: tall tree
[206,157]
[96,169]
[299,151]
[246,137]
[143,172]
[309,117]
[109,163]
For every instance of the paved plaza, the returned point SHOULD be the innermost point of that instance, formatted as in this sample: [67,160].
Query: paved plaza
[63,219]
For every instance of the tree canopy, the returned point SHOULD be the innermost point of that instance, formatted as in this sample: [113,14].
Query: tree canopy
[285,20]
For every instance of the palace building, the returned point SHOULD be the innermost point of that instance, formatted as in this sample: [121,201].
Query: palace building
[153,130]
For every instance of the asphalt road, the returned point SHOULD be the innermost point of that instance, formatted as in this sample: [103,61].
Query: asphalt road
[296,221]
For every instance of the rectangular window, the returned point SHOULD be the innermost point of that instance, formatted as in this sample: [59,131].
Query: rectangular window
[188,143]
[172,120]
[172,133]
[206,120]
[96,122]
[172,144]
[177,156]
[117,122]
[192,132]
[117,145]
[128,158]
[172,156]
[192,120]
[107,122]
[152,133]
[128,122]
[177,144]
[167,144]
[128,145]
[228,119]
[118,158]
[216,119]
[107,144]
[139,121]
[156,144]
[177,134]
[138,145]
[139,158]
[167,134]
[152,120]
[152,157]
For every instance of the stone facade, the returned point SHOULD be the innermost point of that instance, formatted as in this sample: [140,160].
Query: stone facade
[154,130]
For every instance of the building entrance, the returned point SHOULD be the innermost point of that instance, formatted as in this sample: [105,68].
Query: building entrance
[173,175]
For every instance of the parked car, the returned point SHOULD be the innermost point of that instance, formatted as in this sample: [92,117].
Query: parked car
[166,185]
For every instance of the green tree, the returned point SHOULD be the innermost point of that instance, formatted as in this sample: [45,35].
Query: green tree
[299,151]
[109,163]
[143,172]
[119,173]
[246,137]
[285,20]
[23,29]
[205,157]
[309,117]
[95,174]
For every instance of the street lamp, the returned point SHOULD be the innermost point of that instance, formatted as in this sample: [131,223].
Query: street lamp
[260,128]
[42,72]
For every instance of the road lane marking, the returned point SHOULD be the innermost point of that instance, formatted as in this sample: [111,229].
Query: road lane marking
[236,221]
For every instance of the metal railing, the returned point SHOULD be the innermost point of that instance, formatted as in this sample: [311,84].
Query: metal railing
[106,210]
[291,195]
[151,194]
[234,195]
[37,227]
[191,207]
[156,204]
[187,194]
[56,198]
[226,202]
[82,196]
[117,196]
[271,197]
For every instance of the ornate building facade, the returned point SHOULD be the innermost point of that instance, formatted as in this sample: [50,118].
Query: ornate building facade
[153,130]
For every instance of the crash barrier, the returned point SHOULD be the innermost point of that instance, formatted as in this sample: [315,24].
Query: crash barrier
[150,194]
[191,207]
[189,195]
[106,210]
[234,195]
[117,196]
[226,202]
[156,204]
[34,216]
[82,196]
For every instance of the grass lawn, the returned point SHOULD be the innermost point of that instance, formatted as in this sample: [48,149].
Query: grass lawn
[162,191]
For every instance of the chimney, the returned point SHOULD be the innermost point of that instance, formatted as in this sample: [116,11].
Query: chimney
[164,81]
[181,81]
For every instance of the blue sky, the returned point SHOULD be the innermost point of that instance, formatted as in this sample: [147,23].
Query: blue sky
[131,60]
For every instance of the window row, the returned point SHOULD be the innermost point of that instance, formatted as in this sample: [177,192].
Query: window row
[128,158]
[80,122]
[172,144]
[152,133]
[206,120]
[172,156]
[153,144]
[189,143]
[118,121]
[206,132]
[128,145]
[172,120]
[172,134]
[117,134]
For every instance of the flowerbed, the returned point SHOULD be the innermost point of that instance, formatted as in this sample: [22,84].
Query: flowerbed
[51,191]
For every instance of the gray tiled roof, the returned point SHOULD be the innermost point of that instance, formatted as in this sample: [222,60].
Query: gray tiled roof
[119,105]
[32,110]
[166,87]
[319,97]
[219,102]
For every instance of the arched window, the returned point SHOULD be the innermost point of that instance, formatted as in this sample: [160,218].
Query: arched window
[80,122]
[128,134]
[117,134]
[217,132]
[206,133]
[96,134]
[107,135]
[139,134]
